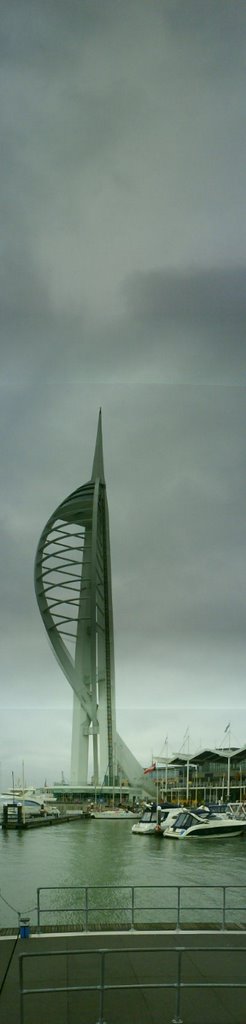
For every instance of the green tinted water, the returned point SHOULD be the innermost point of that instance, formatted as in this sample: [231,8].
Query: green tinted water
[107,853]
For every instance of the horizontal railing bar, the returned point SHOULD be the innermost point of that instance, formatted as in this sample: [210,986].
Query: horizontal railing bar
[219,885]
[171,906]
[134,985]
[97,988]
[210,984]
[94,910]
[134,949]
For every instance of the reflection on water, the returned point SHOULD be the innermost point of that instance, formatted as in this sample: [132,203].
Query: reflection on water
[107,853]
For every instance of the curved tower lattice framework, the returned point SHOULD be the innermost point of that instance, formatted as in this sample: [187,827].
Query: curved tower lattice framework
[73,590]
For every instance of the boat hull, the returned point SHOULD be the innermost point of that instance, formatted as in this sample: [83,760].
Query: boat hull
[207,831]
[147,830]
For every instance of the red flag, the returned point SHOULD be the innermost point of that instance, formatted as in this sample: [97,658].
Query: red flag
[151,769]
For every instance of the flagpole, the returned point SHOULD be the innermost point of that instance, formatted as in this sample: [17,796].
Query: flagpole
[188,766]
[23,794]
[229,764]
[166,745]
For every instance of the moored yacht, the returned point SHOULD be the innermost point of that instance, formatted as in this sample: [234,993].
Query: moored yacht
[30,807]
[205,824]
[113,814]
[155,820]
[34,801]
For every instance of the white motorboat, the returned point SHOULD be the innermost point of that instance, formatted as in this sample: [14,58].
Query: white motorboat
[155,820]
[113,813]
[205,824]
[32,800]
[30,807]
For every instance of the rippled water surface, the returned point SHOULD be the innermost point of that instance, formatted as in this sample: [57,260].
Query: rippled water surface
[107,853]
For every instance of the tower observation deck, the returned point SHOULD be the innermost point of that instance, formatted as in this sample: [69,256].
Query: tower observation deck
[74,595]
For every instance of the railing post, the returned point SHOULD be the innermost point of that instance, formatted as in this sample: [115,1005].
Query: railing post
[21,990]
[177,1019]
[224,908]
[86,908]
[178,907]
[133,909]
[38,910]
[102,976]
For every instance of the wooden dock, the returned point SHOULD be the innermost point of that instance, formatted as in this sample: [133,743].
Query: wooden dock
[41,821]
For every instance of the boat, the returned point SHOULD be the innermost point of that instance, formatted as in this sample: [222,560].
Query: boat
[34,802]
[114,814]
[155,820]
[205,824]
[30,807]
[237,810]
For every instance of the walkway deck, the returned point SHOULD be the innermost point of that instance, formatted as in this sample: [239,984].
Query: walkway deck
[133,959]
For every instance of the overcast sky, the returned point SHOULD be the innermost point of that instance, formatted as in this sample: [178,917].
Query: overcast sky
[124,286]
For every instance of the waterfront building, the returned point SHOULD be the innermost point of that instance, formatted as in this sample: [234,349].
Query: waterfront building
[211,775]
[74,594]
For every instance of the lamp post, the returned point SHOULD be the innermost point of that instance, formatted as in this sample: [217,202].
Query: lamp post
[187,777]
[196,785]
[23,794]
[228,776]
[228,763]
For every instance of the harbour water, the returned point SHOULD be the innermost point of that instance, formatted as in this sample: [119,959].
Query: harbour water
[107,853]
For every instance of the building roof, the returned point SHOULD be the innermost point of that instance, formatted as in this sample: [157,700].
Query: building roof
[212,754]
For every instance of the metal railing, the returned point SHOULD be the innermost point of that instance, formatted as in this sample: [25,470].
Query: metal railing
[143,907]
[103,986]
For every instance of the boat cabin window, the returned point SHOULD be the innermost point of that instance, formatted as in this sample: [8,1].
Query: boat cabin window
[184,820]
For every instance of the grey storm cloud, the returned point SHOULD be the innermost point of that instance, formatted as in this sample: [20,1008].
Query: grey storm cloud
[205,295]
[123,286]
[200,313]
[189,322]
